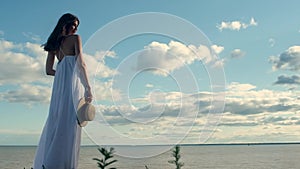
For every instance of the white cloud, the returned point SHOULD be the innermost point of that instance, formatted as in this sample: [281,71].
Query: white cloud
[103,91]
[6,45]
[148,85]
[100,55]
[33,37]
[252,22]
[237,53]
[98,70]
[155,105]
[272,42]
[27,94]
[17,67]
[236,25]
[288,60]
[219,63]
[166,58]
[244,100]
[217,49]
[96,66]
[235,86]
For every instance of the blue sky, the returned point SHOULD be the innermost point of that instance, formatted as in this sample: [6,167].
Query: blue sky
[257,43]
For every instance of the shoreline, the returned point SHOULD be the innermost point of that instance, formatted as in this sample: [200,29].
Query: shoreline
[209,144]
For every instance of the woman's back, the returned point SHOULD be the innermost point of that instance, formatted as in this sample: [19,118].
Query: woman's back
[67,47]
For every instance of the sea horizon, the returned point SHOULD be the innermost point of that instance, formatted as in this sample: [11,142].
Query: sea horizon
[184,144]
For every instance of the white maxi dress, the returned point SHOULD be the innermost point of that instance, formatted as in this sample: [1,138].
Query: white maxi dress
[59,143]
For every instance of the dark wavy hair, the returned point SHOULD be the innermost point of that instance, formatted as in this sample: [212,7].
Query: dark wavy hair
[56,37]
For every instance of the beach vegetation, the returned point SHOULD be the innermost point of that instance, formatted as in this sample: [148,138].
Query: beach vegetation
[107,158]
[177,156]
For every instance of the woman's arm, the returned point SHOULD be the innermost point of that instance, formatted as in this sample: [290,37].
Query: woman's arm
[49,63]
[82,67]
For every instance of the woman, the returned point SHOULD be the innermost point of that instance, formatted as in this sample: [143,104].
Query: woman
[60,140]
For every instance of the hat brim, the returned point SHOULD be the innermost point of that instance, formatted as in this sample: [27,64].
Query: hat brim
[81,103]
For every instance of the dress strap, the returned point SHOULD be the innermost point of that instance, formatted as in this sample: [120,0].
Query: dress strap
[60,59]
[62,51]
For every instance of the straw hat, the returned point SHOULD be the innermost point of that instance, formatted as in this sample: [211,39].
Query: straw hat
[85,112]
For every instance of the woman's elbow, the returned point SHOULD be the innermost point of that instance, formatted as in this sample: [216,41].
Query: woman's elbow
[50,72]
[83,66]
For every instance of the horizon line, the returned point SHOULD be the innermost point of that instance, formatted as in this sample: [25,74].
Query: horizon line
[184,144]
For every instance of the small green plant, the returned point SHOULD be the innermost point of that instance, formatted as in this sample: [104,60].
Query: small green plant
[104,162]
[176,155]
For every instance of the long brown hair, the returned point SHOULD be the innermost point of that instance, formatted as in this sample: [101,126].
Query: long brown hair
[56,37]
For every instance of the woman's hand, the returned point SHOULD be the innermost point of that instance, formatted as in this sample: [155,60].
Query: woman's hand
[88,95]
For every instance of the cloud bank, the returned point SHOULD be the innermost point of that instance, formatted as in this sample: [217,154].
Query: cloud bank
[22,67]
[247,108]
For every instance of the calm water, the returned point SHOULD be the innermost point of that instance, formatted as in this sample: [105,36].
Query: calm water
[194,157]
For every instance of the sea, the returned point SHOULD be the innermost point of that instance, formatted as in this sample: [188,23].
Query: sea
[232,156]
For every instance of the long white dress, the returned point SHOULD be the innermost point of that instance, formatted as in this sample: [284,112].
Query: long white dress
[59,144]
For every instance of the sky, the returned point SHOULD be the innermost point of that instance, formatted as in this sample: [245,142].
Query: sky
[161,71]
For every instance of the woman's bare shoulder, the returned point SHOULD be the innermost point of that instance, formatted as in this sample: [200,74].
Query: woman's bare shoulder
[73,37]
